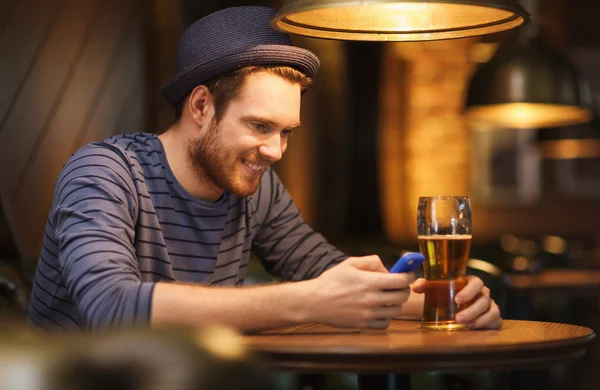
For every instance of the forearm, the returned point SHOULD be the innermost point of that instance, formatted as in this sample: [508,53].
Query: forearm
[359,293]
[244,308]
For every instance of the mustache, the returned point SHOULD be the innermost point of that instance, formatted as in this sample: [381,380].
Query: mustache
[257,158]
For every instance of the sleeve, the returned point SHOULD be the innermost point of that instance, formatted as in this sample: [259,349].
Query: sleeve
[93,214]
[286,244]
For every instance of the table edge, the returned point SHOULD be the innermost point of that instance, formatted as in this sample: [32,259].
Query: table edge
[447,351]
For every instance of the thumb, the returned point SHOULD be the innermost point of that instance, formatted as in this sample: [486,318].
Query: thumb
[419,286]
[367,263]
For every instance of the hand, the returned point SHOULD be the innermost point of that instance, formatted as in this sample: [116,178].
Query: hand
[482,312]
[359,293]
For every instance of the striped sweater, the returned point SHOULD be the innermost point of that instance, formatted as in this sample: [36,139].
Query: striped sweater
[120,222]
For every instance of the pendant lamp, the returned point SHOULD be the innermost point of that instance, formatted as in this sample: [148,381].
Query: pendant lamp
[570,142]
[398,20]
[528,85]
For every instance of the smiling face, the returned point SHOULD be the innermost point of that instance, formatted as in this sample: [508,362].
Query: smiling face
[233,154]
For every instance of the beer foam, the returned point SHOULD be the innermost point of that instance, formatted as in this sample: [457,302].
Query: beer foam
[445,237]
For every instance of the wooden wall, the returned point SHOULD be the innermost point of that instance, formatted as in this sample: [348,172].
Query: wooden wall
[71,72]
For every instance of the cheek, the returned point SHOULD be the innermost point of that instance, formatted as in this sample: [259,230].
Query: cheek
[243,144]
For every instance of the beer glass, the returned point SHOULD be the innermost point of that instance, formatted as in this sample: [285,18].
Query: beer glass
[444,235]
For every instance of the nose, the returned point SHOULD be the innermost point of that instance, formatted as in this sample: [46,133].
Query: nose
[273,148]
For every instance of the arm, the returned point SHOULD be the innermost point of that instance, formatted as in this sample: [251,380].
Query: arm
[348,295]
[92,215]
[286,244]
[245,308]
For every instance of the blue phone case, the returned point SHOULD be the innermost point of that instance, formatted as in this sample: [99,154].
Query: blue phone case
[409,262]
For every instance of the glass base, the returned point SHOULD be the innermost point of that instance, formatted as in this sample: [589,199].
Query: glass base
[444,325]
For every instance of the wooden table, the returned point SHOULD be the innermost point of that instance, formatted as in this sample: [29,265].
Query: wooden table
[405,348]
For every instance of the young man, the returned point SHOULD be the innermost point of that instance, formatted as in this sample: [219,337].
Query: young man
[143,229]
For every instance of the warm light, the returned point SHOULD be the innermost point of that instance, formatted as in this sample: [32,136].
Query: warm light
[554,244]
[484,266]
[528,248]
[567,149]
[509,243]
[394,21]
[482,52]
[528,115]
[435,144]
[520,263]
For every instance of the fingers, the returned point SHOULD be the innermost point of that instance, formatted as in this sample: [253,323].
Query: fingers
[391,298]
[491,319]
[478,307]
[482,313]
[367,263]
[387,312]
[419,286]
[389,281]
[377,276]
[473,288]
[377,299]
[380,317]
[381,307]
[378,323]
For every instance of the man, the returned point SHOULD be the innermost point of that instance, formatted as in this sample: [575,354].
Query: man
[143,228]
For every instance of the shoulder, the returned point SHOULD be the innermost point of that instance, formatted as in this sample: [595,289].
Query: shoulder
[94,156]
[137,146]
[117,152]
[100,171]
[106,162]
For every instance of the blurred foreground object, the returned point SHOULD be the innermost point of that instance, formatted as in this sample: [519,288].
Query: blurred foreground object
[209,359]
[398,20]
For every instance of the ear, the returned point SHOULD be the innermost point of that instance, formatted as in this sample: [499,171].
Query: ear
[200,105]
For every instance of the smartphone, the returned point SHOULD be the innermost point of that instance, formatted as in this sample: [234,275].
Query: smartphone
[409,262]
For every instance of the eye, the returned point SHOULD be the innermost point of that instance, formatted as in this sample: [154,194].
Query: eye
[287,133]
[261,127]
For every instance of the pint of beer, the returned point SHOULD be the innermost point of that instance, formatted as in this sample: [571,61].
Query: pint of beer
[444,226]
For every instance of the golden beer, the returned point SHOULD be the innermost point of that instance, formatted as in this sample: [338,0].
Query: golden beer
[445,266]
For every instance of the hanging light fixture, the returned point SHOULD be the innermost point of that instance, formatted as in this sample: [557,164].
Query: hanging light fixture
[570,142]
[398,20]
[528,85]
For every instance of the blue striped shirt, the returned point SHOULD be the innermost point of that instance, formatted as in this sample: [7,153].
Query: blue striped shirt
[120,222]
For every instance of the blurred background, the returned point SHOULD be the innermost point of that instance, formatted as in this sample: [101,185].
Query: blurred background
[384,124]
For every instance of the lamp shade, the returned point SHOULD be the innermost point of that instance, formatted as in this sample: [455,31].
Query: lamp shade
[528,85]
[398,20]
